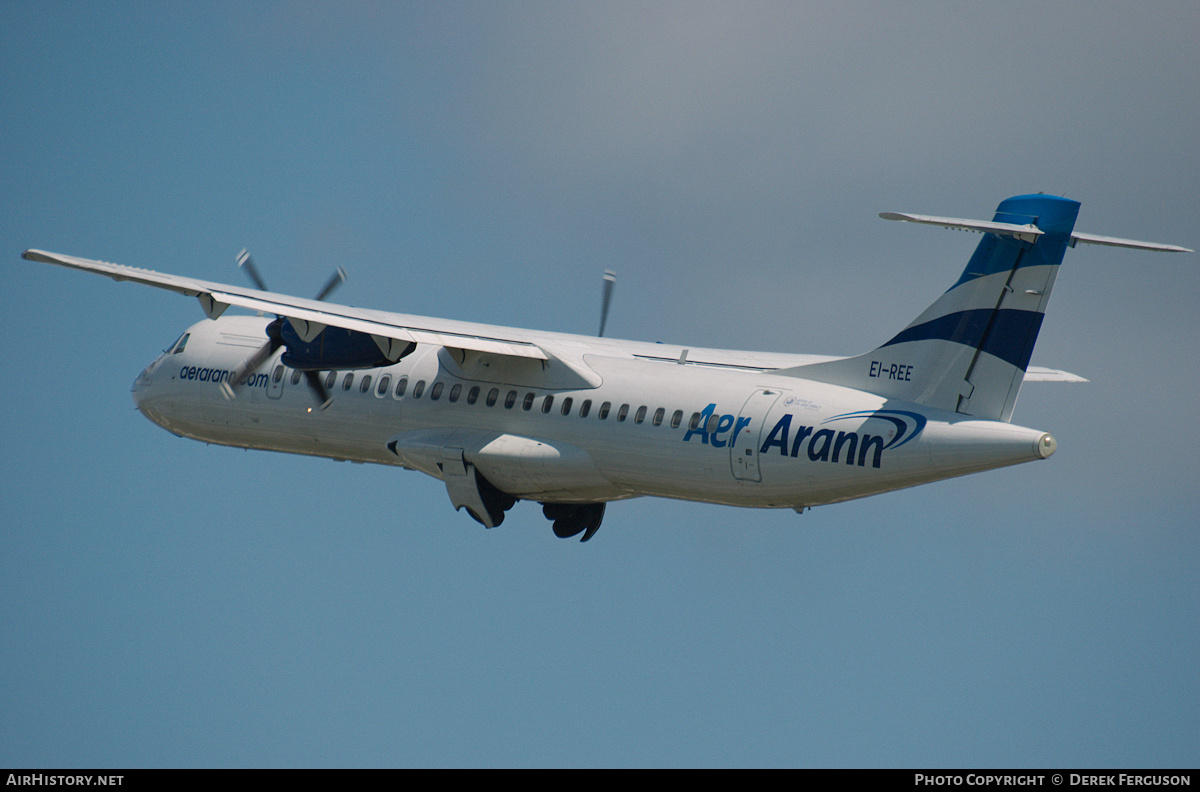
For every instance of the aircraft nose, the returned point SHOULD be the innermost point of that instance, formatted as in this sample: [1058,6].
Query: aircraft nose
[142,384]
[145,392]
[154,396]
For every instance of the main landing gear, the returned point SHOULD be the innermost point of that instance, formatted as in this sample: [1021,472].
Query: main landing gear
[572,519]
[487,503]
[495,502]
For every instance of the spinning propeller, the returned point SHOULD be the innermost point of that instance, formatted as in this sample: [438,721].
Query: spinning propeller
[275,337]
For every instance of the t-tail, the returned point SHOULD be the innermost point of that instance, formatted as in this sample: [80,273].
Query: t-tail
[969,351]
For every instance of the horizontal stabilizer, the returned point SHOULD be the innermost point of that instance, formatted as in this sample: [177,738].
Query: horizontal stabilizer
[1039,374]
[1026,233]
[1030,232]
[1093,239]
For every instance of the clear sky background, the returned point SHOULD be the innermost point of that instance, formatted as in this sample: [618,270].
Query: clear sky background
[167,603]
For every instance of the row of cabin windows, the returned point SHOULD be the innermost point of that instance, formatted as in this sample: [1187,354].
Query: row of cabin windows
[493,395]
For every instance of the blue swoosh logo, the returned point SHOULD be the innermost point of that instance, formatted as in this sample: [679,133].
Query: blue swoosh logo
[896,418]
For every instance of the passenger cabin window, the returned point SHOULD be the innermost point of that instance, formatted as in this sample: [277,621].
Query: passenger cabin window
[330,380]
[547,403]
[585,408]
[384,382]
[566,408]
[418,389]
[296,376]
[528,403]
[658,416]
[473,394]
[454,393]
[401,386]
[493,394]
[676,419]
[348,381]
[365,385]
[604,408]
[621,413]
[510,400]
[435,392]
[640,415]
[277,375]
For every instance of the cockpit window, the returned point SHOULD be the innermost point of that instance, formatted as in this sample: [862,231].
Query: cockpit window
[178,346]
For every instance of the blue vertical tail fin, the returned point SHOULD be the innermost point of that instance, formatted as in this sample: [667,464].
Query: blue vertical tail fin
[968,351]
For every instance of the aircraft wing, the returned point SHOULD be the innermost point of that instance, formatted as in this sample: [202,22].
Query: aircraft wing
[310,317]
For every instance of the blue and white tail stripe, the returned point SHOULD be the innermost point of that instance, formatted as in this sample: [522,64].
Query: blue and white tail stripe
[969,350]
[1006,334]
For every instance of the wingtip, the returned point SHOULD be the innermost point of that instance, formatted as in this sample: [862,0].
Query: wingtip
[44,256]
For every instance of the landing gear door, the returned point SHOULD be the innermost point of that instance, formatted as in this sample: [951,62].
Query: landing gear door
[743,447]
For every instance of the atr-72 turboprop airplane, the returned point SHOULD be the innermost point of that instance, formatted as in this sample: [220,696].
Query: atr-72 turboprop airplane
[573,422]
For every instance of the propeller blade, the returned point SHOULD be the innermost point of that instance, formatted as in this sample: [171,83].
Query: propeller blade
[237,377]
[275,338]
[318,389]
[247,265]
[335,280]
[610,281]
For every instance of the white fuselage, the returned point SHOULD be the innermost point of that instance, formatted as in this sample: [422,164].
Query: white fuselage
[643,419]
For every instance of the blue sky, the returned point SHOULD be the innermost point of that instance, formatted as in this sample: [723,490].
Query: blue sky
[167,603]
